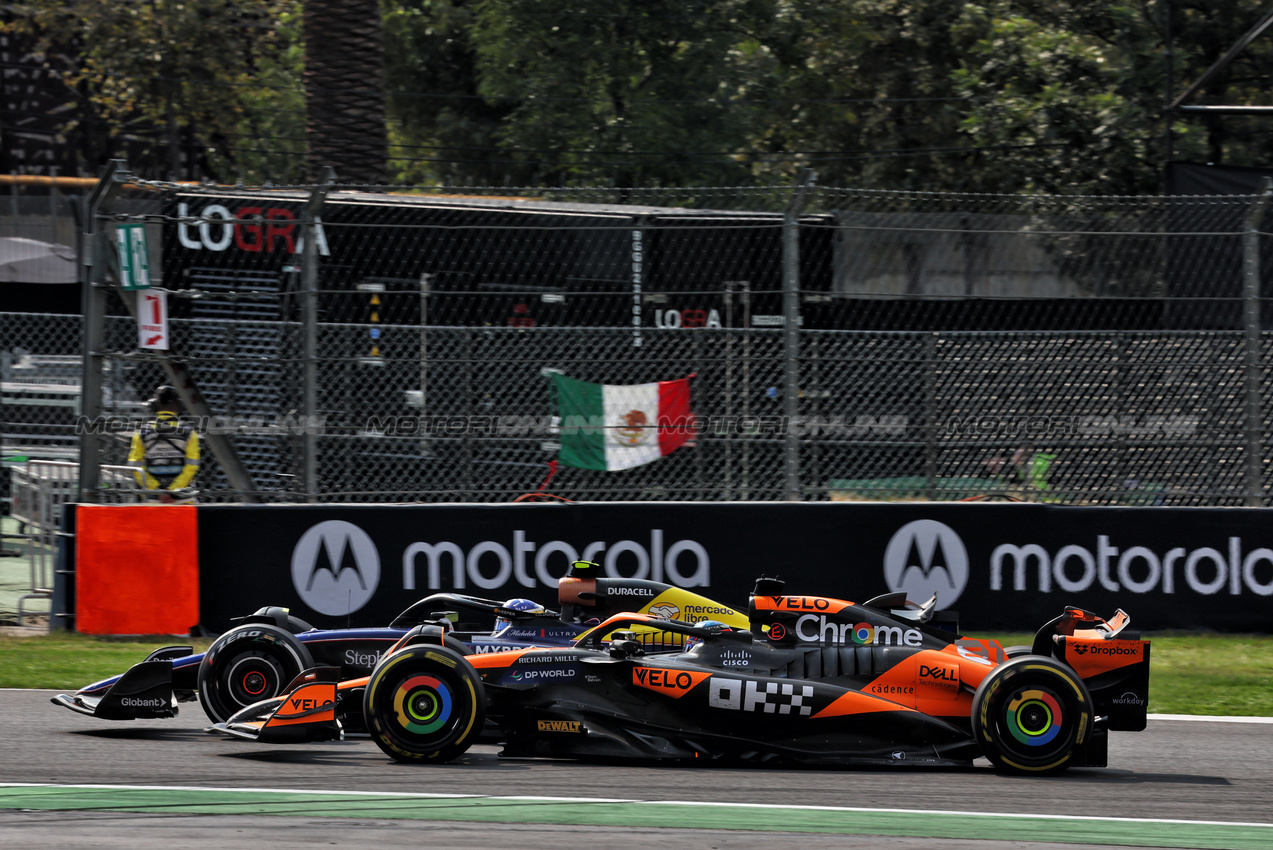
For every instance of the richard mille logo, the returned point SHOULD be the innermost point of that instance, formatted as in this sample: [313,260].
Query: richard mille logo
[926,557]
[335,567]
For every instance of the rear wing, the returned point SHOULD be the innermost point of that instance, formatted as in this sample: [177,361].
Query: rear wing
[1112,660]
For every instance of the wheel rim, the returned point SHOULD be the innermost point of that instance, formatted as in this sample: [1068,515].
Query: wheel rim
[252,678]
[423,704]
[1034,717]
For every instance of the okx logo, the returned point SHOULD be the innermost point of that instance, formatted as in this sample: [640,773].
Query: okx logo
[335,567]
[926,557]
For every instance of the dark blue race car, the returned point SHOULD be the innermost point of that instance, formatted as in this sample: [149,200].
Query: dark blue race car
[267,650]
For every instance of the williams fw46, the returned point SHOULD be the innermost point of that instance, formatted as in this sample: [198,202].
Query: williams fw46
[812,680]
[265,651]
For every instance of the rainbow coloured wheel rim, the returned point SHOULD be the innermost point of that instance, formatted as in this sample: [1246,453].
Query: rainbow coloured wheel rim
[1032,715]
[424,703]
[1035,717]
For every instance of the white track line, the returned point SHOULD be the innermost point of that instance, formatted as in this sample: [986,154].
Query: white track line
[629,801]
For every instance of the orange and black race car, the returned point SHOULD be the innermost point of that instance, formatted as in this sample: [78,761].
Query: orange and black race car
[811,680]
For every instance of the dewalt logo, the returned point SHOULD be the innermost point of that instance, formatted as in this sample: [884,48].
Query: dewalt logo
[572,726]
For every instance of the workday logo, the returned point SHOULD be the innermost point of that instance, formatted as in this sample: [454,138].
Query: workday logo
[335,567]
[926,557]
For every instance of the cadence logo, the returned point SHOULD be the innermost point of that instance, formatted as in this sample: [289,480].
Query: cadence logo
[926,557]
[335,567]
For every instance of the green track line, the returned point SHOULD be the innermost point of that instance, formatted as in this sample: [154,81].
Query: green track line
[1128,832]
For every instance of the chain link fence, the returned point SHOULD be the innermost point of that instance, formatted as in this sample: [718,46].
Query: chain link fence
[390,346]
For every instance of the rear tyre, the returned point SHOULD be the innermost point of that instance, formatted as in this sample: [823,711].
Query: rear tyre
[246,665]
[1031,716]
[424,704]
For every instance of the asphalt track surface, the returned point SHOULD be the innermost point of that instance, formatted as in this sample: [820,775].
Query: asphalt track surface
[1180,783]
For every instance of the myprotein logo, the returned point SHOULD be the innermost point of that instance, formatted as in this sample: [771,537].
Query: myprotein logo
[335,567]
[926,557]
[492,564]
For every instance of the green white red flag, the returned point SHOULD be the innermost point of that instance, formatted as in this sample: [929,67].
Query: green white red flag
[609,427]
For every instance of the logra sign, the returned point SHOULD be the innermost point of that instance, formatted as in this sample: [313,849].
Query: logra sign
[250,227]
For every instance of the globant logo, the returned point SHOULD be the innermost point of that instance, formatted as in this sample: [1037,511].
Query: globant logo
[491,564]
[1137,569]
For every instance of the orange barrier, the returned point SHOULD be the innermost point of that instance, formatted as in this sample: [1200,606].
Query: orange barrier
[136,569]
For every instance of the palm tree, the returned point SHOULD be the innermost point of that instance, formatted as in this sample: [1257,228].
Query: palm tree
[344,90]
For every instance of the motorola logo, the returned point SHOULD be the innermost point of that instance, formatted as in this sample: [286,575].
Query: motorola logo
[335,567]
[926,557]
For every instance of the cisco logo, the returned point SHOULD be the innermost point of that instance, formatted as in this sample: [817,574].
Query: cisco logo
[335,567]
[926,557]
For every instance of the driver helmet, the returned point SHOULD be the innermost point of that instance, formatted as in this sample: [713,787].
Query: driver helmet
[691,642]
[502,623]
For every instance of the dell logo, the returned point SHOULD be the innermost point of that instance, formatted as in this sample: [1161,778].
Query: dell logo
[335,567]
[926,557]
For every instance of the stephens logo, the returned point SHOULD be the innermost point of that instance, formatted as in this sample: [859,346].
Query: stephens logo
[335,567]
[926,557]
[366,660]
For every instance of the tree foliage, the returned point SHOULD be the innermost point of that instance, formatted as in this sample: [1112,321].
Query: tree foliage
[983,95]
[207,71]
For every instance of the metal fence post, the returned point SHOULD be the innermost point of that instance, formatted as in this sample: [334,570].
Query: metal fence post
[309,332]
[1254,372]
[93,267]
[791,332]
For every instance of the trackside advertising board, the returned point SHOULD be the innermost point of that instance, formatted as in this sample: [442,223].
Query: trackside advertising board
[1001,566]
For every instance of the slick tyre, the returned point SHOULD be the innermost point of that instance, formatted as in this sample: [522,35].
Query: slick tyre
[1032,716]
[424,704]
[246,665]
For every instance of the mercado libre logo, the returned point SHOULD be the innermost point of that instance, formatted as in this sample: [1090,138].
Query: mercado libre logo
[926,557]
[335,567]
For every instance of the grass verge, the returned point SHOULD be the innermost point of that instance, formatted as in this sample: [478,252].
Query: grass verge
[1189,673]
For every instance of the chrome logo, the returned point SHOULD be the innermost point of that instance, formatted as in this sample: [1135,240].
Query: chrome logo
[864,634]
[423,704]
[1034,718]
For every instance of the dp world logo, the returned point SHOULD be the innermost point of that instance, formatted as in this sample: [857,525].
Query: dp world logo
[926,557]
[335,567]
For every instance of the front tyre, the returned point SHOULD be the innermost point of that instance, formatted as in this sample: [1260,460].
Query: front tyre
[246,665]
[1031,716]
[424,704]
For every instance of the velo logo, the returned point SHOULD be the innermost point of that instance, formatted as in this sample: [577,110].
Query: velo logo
[335,567]
[926,557]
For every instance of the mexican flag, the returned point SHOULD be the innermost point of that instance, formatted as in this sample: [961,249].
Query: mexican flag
[604,426]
